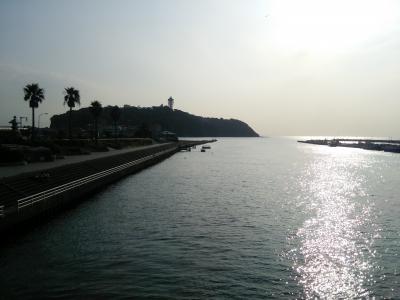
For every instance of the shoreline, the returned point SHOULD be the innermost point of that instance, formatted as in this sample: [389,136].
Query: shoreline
[29,196]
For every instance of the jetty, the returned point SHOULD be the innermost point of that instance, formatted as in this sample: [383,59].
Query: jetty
[367,144]
[42,189]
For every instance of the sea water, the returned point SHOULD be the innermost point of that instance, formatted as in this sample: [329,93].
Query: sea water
[256,218]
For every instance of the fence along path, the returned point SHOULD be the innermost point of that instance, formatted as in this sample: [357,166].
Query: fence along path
[26,189]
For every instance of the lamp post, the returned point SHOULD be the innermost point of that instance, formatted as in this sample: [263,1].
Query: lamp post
[39,119]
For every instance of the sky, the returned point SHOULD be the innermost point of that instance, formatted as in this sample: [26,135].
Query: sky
[285,67]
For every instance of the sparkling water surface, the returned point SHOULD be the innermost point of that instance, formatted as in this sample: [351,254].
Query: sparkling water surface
[257,218]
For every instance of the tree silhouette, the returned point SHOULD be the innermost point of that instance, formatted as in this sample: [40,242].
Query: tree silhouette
[35,95]
[115,115]
[95,109]
[71,97]
[179,122]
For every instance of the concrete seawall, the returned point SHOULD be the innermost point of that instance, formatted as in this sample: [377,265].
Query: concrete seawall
[367,144]
[29,196]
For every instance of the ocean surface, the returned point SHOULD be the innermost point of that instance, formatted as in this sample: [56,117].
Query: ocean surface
[256,218]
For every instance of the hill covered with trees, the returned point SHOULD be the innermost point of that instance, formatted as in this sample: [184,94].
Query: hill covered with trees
[157,118]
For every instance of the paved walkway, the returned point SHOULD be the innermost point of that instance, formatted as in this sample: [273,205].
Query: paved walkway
[7,171]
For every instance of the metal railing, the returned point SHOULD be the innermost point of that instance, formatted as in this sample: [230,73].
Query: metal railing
[30,200]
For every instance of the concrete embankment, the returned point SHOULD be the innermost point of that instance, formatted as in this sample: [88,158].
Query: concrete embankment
[367,144]
[28,196]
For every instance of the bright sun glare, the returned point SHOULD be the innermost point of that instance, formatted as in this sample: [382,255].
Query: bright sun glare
[330,25]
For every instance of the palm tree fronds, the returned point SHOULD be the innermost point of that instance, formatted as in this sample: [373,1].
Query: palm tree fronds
[71,97]
[35,95]
[96,108]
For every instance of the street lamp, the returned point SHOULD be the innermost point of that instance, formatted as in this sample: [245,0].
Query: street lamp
[39,119]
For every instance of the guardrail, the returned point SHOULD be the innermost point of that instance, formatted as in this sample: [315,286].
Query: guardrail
[30,200]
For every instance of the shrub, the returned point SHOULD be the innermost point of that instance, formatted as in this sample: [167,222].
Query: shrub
[8,155]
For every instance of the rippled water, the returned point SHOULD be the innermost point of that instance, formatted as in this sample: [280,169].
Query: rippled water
[249,219]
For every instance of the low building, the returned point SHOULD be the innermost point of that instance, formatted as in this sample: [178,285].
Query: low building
[167,136]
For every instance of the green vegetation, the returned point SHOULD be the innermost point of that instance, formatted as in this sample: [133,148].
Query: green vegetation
[96,108]
[115,114]
[46,144]
[8,155]
[71,98]
[148,121]
[134,126]
[35,95]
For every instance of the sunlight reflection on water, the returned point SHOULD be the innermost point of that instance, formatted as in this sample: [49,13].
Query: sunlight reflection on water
[334,257]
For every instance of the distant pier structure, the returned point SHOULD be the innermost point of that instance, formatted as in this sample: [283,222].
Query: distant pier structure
[171,103]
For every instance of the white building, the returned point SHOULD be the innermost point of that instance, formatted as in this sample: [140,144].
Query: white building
[171,103]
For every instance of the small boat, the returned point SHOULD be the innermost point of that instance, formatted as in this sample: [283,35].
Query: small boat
[203,150]
[333,143]
[206,147]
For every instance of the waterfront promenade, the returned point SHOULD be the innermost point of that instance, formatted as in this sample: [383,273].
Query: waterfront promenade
[29,192]
[7,171]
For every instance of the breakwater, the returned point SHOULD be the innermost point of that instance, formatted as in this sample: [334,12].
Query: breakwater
[367,144]
[27,196]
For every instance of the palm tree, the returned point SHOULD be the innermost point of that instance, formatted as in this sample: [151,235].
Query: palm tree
[115,115]
[71,97]
[96,109]
[35,95]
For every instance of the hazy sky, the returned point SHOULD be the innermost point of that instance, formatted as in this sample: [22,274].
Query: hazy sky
[309,67]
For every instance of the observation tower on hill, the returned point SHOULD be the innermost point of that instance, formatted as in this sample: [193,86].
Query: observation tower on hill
[171,103]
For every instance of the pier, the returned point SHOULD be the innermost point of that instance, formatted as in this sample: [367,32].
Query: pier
[367,144]
[47,188]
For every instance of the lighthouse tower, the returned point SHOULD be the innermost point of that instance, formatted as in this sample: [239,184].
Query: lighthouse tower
[171,103]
